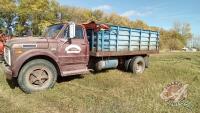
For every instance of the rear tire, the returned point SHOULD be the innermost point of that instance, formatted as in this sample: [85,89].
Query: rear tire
[137,65]
[37,75]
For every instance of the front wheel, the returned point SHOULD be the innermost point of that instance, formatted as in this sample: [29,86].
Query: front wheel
[137,65]
[37,75]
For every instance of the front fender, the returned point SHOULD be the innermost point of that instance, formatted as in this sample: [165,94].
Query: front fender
[30,54]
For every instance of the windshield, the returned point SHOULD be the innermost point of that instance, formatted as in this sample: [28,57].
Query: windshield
[52,31]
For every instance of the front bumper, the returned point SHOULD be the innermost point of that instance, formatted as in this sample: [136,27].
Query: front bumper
[7,71]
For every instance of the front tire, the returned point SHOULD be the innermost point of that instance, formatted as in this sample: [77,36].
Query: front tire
[137,65]
[37,75]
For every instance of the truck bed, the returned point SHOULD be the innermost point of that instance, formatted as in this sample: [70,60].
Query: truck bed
[121,41]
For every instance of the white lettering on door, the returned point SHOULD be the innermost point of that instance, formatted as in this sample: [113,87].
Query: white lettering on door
[73,49]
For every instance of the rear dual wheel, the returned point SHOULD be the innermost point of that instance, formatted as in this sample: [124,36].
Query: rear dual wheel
[137,65]
[37,75]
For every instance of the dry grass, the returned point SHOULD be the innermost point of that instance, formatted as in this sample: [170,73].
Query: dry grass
[112,91]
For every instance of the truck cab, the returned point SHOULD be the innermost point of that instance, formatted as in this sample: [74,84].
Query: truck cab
[62,50]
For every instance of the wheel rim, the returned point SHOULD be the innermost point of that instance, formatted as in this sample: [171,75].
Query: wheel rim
[38,76]
[139,67]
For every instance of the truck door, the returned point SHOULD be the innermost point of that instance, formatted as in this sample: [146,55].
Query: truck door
[73,53]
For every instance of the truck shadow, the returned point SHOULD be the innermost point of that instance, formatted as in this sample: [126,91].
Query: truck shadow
[69,78]
[13,83]
[97,72]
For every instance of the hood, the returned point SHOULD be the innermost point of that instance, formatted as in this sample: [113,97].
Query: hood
[25,40]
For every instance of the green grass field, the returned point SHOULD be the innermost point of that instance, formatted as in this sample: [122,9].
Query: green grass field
[112,91]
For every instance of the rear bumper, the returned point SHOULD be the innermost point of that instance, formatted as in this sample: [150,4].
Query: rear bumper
[7,71]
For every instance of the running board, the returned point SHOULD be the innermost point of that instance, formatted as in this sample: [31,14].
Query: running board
[75,72]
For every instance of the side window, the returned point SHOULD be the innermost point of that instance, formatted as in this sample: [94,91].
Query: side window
[79,32]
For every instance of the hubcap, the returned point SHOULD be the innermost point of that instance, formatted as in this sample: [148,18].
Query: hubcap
[38,77]
[139,67]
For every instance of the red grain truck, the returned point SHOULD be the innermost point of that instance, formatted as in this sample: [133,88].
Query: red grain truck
[71,49]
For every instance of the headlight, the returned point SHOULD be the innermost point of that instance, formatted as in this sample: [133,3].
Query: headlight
[7,55]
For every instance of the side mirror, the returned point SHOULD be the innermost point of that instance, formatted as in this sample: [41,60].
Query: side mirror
[72,29]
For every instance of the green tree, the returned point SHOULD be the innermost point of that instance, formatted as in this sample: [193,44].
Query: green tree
[38,13]
[184,29]
[98,15]
[175,41]
[7,14]
[140,24]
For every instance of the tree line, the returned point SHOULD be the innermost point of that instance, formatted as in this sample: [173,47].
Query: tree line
[19,16]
